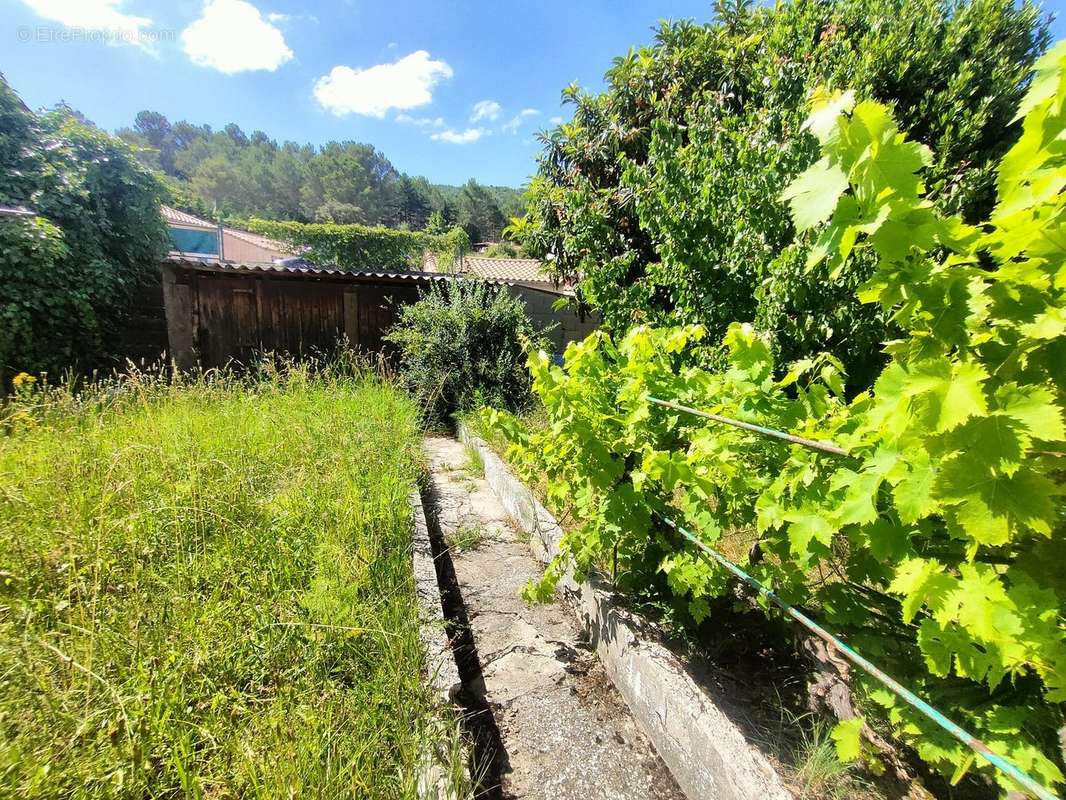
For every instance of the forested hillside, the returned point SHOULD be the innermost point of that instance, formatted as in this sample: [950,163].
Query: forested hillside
[231,173]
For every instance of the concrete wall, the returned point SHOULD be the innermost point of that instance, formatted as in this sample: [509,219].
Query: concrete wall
[569,326]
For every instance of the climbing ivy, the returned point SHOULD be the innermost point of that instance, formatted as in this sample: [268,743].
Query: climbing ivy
[937,545]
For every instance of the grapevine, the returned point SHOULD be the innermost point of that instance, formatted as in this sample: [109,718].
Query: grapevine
[937,545]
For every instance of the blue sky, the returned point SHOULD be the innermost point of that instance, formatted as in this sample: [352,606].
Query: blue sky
[449,90]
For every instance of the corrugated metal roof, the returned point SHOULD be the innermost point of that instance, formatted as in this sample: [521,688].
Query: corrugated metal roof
[214,265]
[229,266]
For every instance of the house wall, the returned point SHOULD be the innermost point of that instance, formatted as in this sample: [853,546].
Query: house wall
[245,252]
[562,327]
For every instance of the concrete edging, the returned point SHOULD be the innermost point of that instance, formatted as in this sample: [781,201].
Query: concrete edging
[441,669]
[440,662]
[705,751]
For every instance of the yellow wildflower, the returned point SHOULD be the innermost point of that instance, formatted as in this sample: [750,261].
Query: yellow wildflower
[23,379]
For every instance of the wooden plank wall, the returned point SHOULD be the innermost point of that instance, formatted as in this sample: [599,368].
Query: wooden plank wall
[142,336]
[219,318]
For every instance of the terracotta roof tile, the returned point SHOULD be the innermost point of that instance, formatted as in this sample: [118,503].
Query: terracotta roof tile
[181,218]
[259,241]
[525,270]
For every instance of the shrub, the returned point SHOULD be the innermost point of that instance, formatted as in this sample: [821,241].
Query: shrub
[663,190]
[361,247]
[461,346]
[502,250]
[67,275]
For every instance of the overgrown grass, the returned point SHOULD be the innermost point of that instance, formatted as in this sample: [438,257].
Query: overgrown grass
[205,590]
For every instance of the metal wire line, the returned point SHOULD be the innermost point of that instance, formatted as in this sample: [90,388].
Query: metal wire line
[901,691]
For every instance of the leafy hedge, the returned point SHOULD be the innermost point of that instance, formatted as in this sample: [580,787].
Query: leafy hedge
[937,547]
[360,247]
[68,274]
[662,191]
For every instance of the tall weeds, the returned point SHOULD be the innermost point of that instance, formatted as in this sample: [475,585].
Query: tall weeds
[205,588]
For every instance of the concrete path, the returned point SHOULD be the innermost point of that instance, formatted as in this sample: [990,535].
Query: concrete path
[558,727]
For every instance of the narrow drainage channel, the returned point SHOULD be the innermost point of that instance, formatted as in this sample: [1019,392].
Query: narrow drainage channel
[488,758]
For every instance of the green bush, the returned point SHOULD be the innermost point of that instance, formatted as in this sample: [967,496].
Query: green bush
[461,346]
[662,192]
[361,247]
[502,250]
[67,275]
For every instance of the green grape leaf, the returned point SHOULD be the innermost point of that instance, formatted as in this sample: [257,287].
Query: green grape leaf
[955,390]
[1034,407]
[913,495]
[860,500]
[984,608]
[826,110]
[1047,81]
[922,582]
[847,735]
[813,195]
[987,505]
[807,526]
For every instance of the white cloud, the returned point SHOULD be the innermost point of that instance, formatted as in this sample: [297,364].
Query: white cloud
[232,36]
[460,137]
[403,84]
[96,15]
[420,122]
[485,109]
[556,120]
[275,16]
[518,119]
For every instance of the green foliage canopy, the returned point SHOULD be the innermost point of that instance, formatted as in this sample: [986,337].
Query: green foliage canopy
[663,191]
[936,546]
[68,273]
[230,173]
[360,247]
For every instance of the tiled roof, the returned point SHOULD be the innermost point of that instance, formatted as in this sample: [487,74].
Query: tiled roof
[176,217]
[521,270]
[258,241]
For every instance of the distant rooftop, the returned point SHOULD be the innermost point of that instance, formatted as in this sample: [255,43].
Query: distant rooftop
[175,217]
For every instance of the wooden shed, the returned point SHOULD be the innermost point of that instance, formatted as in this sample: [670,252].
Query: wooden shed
[219,313]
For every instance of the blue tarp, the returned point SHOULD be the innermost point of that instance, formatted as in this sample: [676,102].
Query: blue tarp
[194,241]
